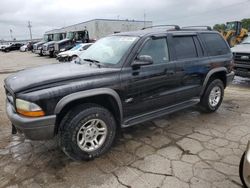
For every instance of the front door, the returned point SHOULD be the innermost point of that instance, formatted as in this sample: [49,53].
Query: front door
[149,87]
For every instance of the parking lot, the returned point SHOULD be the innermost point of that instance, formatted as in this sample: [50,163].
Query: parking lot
[181,150]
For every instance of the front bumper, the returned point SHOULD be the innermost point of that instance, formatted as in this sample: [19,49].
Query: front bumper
[37,51]
[230,77]
[39,128]
[46,52]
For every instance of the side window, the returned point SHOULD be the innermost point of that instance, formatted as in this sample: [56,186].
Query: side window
[157,49]
[184,47]
[215,44]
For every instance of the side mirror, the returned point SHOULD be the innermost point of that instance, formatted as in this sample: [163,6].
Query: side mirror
[142,60]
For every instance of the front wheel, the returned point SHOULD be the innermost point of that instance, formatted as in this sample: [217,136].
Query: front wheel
[86,132]
[213,96]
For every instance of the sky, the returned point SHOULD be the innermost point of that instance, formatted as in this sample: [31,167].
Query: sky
[45,15]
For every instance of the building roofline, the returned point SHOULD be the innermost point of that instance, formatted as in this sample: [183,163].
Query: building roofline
[101,19]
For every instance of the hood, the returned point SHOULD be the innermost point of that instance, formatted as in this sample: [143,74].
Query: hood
[68,53]
[50,43]
[49,74]
[62,41]
[39,43]
[241,48]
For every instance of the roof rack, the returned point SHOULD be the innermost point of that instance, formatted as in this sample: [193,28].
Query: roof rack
[200,27]
[176,27]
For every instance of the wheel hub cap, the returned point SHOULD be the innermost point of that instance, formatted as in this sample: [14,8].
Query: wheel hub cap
[92,135]
[215,96]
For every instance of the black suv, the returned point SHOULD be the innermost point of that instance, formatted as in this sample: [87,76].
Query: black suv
[121,80]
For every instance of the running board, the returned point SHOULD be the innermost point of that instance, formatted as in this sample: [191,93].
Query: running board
[160,112]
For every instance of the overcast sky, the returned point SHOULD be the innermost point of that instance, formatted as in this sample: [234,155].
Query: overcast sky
[50,14]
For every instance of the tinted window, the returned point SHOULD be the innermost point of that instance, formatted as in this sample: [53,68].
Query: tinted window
[157,49]
[215,44]
[184,47]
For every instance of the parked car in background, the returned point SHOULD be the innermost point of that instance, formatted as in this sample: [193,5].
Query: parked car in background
[241,54]
[2,46]
[11,47]
[244,168]
[73,53]
[37,47]
[24,48]
[120,81]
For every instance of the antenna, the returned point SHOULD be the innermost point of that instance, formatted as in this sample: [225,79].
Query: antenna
[29,26]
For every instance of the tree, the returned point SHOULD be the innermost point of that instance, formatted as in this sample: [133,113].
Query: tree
[219,27]
[246,23]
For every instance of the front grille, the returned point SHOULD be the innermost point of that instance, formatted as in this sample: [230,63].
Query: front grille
[44,47]
[242,58]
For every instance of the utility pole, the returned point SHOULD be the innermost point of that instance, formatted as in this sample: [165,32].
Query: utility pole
[29,26]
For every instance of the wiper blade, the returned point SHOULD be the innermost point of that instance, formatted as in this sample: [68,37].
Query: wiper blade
[92,60]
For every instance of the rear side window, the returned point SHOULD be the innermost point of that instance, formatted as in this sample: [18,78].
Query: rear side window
[184,47]
[215,44]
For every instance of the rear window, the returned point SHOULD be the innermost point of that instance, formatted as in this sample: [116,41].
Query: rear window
[184,47]
[215,44]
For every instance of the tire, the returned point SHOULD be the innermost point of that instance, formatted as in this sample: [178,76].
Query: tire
[73,57]
[241,170]
[208,105]
[51,54]
[75,127]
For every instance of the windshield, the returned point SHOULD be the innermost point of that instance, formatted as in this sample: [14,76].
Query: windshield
[46,38]
[109,50]
[76,47]
[57,37]
[70,35]
[231,26]
[246,40]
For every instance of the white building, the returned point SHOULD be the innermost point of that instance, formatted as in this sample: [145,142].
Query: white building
[99,28]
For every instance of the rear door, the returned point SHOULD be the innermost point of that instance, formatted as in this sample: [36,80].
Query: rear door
[191,65]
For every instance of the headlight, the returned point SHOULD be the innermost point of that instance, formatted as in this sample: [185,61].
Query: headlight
[62,50]
[29,109]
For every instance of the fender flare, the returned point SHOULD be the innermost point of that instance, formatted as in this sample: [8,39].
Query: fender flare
[209,74]
[89,93]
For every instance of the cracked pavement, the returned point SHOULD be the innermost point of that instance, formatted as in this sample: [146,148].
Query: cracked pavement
[187,149]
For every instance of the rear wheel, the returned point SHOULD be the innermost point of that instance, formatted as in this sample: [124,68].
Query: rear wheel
[213,96]
[87,131]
